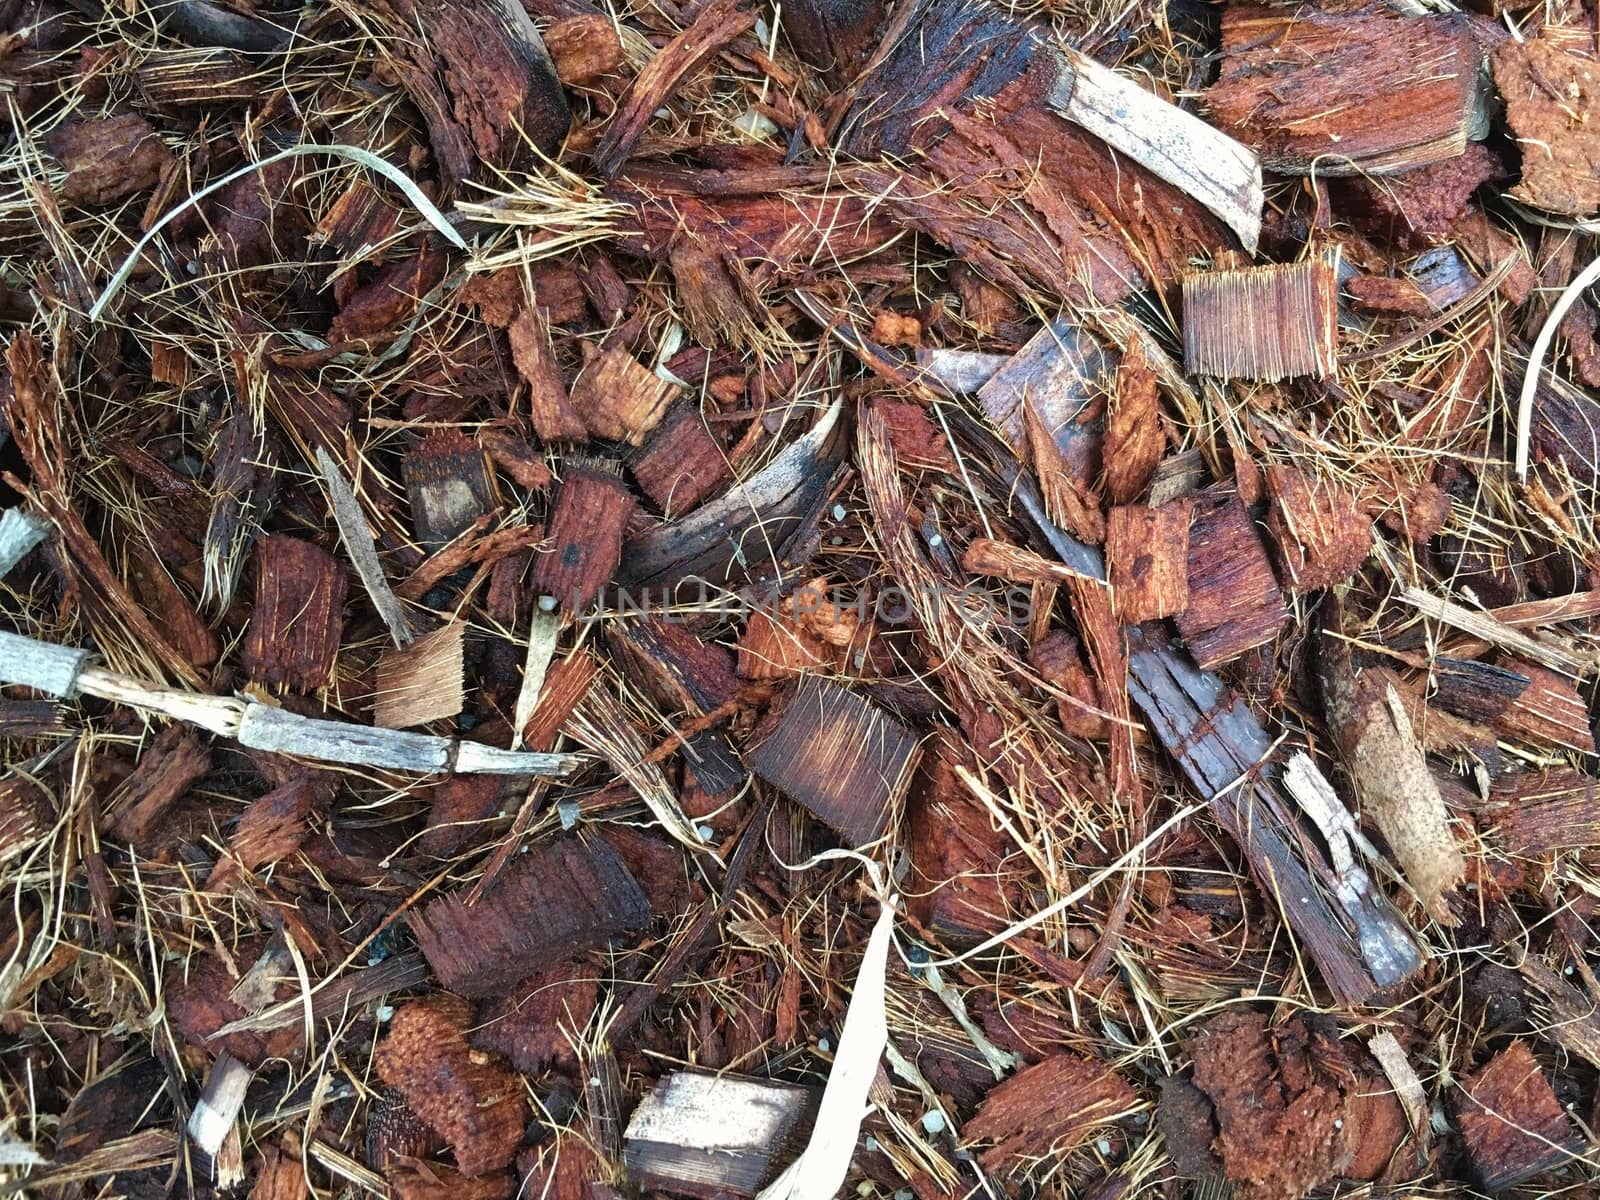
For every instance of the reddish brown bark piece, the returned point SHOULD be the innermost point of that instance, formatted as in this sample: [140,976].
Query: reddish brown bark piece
[680,463]
[584,47]
[396,296]
[1234,601]
[473,1101]
[1050,1108]
[1059,659]
[1489,246]
[298,617]
[1267,323]
[163,775]
[803,631]
[960,890]
[918,442]
[198,1001]
[1388,295]
[591,511]
[1147,558]
[272,826]
[280,1174]
[450,486]
[1323,537]
[1550,811]
[565,685]
[1549,711]
[717,24]
[109,159]
[1511,1121]
[482,79]
[552,904]
[1297,86]
[1000,178]
[1417,206]
[414,1180]
[1551,88]
[1295,1106]
[538,1022]
[1135,440]
[620,398]
[517,457]
[549,408]
[841,756]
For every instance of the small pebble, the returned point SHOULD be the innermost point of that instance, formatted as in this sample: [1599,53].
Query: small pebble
[838,512]
[1103,1145]
[933,1121]
[824,1045]
[705,831]
[568,810]
[385,1012]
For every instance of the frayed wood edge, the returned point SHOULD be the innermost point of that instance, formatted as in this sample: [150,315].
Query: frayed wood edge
[1177,146]
[1490,629]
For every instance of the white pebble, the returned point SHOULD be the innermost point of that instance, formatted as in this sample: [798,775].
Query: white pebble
[933,1121]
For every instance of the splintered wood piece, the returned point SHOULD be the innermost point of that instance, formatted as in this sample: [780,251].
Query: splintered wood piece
[481,78]
[1511,1121]
[957,854]
[281,1175]
[549,408]
[1147,559]
[985,556]
[1551,88]
[566,683]
[1552,810]
[1172,144]
[1051,1107]
[587,520]
[474,1102]
[1135,439]
[841,756]
[552,904]
[450,486]
[1390,774]
[1268,323]
[213,1115]
[271,827]
[1473,690]
[1068,498]
[1055,373]
[26,814]
[1059,659]
[424,681]
[163,775]
[298,619]
[1234,601]
[712,1135]
[716,24]
[680,464]
[1224,753]
[620,398]
[1549,710]
[1323,536]
[1298,87]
